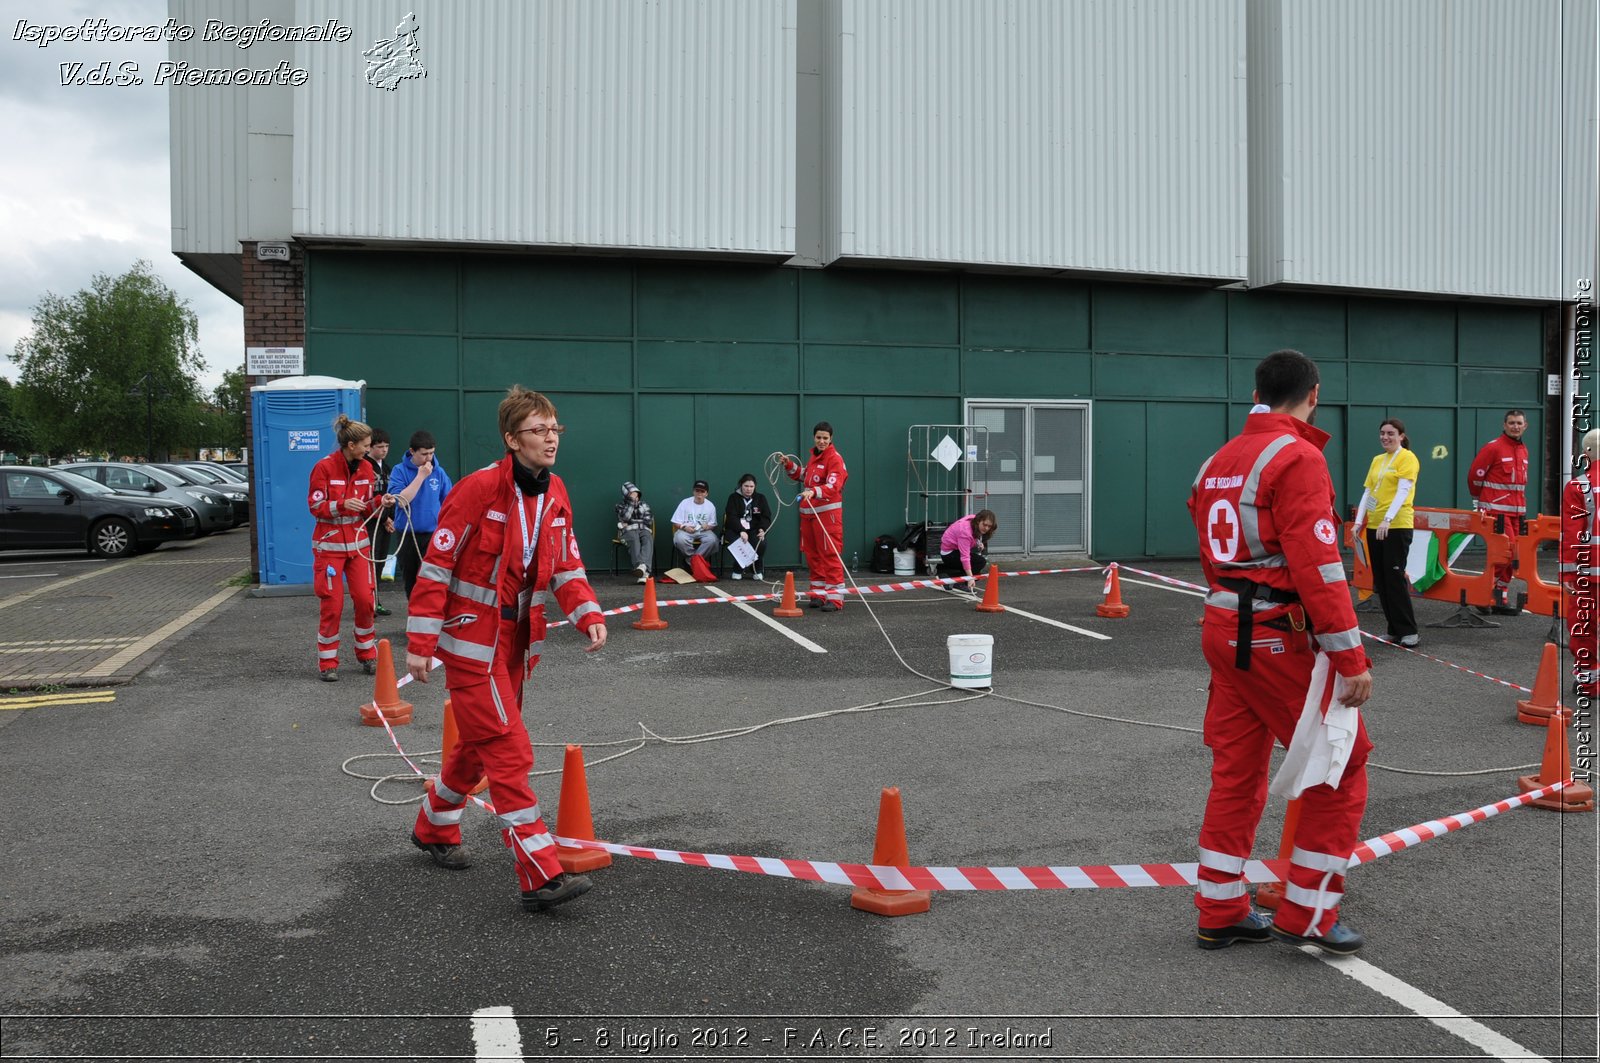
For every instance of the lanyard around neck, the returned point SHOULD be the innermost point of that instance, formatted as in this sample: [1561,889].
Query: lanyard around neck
[529,542]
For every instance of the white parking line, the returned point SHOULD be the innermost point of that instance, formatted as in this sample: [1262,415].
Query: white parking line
[1434,1010]
[767,620]
[1057,623]
[32,575]
[495,1035]
[1163,586]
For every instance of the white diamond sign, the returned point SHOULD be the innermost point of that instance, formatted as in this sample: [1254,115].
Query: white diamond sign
[947,453]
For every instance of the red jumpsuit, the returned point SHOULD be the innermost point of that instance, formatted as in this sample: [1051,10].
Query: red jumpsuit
[822,522]
[1264,509]
[481,610]
[1498,480]
[341,553]
[1580,578]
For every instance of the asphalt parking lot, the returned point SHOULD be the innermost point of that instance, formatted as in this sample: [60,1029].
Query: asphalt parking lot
[196,849]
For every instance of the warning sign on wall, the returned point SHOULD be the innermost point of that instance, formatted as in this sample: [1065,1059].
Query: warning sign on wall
[274,361]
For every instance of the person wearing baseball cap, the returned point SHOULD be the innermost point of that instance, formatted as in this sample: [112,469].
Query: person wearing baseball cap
[694,524]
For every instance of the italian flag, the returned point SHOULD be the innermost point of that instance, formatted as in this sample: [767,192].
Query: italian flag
[1423,566]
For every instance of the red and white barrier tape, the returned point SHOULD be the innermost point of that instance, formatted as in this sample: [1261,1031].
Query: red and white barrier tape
[1368,634]
[1088,876]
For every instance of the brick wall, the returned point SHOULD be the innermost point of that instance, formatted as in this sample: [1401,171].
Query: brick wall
[274,316]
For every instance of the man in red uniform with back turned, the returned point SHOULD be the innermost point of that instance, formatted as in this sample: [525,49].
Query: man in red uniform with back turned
[1269,535]
[504,545]
[1498,480]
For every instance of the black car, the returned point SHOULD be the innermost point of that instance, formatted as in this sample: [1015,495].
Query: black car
[42,509]
[234,492]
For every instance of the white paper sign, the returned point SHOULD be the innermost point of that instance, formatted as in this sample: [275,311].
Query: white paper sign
[274,361]
[743,553]
[947,453]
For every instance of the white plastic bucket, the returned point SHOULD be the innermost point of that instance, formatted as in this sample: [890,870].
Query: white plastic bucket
[971,660]
[905,562]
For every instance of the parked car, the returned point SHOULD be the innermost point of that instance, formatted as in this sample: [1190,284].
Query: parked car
[235,493]
[44,509]
[226,471]
[215,512]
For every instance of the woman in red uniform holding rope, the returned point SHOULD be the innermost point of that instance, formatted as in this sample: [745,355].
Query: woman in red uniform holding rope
[822,480]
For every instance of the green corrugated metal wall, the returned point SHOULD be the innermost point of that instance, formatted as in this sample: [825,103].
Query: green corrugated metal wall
[668,371]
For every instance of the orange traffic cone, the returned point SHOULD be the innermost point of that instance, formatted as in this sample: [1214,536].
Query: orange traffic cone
[385,703]
[788,607]
[573,819]
[1545,701]
[1112,606]
[889,850]
[651,620]
[1268,894]
[991,593]
[450,740]
[1557,765]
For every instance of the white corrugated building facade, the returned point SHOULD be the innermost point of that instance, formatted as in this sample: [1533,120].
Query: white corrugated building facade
[702,225]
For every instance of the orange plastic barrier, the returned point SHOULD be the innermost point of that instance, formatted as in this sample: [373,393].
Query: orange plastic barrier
[1453,586]
[1543,598]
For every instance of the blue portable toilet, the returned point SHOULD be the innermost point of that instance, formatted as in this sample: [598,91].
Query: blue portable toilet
[292,430]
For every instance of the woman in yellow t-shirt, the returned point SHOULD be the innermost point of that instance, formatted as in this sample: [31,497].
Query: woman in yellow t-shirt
[1390,486]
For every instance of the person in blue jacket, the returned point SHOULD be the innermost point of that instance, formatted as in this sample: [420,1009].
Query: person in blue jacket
[421,484]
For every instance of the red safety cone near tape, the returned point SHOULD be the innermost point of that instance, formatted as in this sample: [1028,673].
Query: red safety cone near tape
[573,819]
[1556,766]
[1546,699]
[650,620]
[889,850]
[1112,606]
[385,701]
[788,608]
[991,593]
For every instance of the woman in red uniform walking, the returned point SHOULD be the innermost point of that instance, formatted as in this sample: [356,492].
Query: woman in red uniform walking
[505,545]
[343,493]
[822,480]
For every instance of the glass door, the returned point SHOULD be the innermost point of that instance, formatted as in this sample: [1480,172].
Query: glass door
[1038,474]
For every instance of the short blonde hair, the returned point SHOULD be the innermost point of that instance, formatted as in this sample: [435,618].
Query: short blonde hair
[1591,444]
[518,403]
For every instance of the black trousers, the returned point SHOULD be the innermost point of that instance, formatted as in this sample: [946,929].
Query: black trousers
[380,554]
[950,563]
[1388,557]
[408,558]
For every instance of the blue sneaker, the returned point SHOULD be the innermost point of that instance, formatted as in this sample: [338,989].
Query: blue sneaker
[1249,930]
[1340,940]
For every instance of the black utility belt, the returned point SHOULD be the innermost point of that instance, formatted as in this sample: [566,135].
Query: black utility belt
[1250,592]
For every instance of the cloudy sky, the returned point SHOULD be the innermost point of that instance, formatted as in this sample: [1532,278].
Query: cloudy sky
[84,185]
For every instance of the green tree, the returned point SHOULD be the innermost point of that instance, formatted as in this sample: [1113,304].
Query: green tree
[230,400]
[112,366]
[16,434]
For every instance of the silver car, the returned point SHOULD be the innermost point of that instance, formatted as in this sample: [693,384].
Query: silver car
[214,510]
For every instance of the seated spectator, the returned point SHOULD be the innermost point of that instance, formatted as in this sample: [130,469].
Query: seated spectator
[694,524]
[964,547]
[636,528]
[747,516]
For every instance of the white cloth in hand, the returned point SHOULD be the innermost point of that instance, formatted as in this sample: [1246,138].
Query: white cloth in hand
[1323,739]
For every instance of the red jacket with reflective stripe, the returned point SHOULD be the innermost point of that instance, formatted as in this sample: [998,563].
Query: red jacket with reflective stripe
[1580,532]
[338,530]
[455,608]
[1264,508]
[825,474]
[1498,477]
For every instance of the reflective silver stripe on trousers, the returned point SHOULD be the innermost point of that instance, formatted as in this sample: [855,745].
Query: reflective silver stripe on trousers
[1335,641]
[473,651]
[1250,524]
[446,818]
[561,579]
[340,548]
[434,572]
[521,815]
[1333,572]
[366,645]
[328,640]
[534,842]
[328,655]
[1230,600]
[365,630]
[1220,891]
[1321,900]
[424,625]
[582,611]
[534,649]
[474,592]
[1319,861]
[1228,865]
[447,795]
